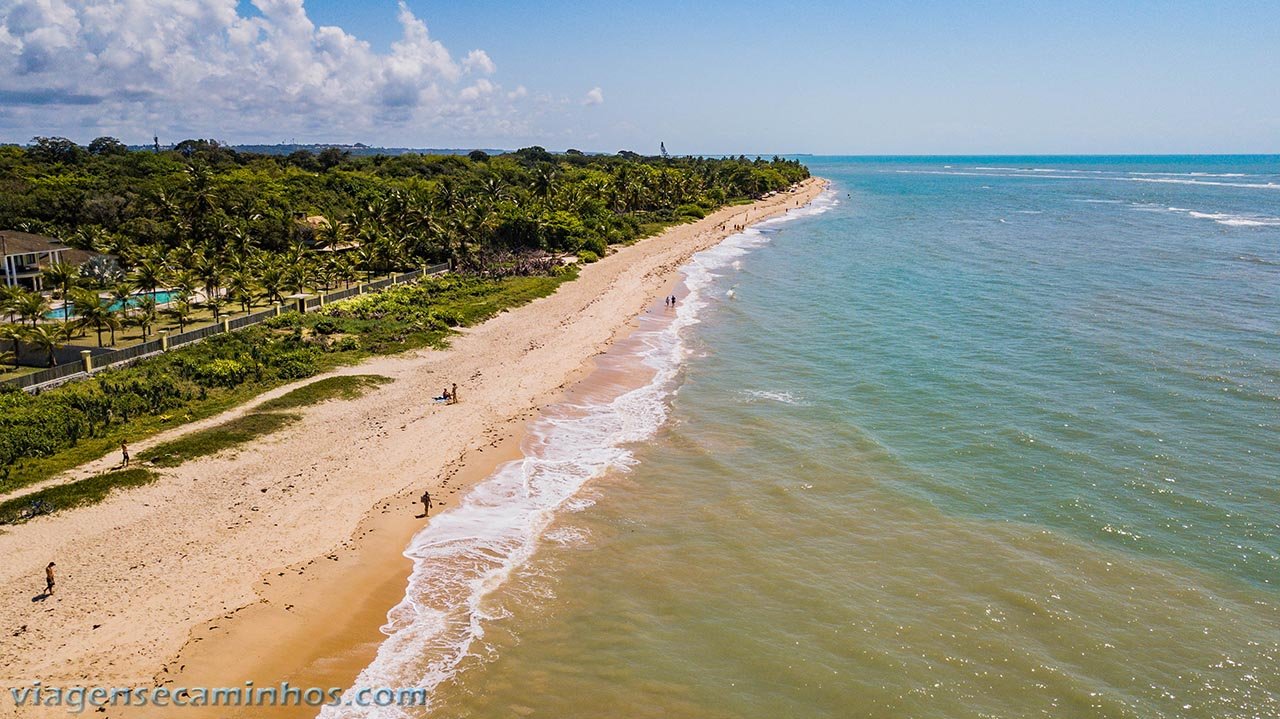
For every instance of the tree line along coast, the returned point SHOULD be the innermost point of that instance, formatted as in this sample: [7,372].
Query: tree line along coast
[139,240]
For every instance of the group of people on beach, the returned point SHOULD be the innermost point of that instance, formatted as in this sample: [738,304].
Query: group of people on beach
[449,396]
[670,301]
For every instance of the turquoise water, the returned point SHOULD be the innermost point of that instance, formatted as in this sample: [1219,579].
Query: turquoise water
[988,437]
[1082,351]
[67,311]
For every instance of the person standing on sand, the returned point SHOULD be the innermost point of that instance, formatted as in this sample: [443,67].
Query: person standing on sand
[426,503]
[48,578]
[453,398]
[124,453]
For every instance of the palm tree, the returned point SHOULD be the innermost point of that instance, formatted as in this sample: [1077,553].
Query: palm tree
[544,181]
[148,275]
[209,270]
[113,323]
[215,303]
[367,254]
[145,314]
[63,276]
[185,282]
[9,300]
[272,280]
[180,311]
[326,276]
[91,311]
[32,306]
[201,199]
[14,334]
[494,189]
[347,270]
[122,296]
[50,338]
[297,276]
[331,234]
[240,288]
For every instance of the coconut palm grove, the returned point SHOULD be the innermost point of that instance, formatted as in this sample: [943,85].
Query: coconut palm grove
[107,246]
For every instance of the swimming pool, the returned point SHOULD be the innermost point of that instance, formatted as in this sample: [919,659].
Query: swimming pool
[68,311]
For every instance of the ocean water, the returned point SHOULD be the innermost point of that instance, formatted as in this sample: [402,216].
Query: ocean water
[970,437]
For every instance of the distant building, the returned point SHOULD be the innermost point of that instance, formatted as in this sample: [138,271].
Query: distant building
[23,256]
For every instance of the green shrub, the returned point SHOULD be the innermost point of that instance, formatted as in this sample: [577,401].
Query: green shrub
[295,364]
[449,318]
[596,245]
[693,211]
[346,344]
[287,320]
[221,373]
[587,256]
[325,326]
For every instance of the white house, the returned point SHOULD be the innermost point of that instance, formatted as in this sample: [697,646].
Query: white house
[23,256]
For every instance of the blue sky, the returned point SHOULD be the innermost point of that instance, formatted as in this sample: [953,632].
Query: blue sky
[707,77]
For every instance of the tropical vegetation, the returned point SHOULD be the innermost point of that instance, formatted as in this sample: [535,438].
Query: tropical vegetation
[221,230]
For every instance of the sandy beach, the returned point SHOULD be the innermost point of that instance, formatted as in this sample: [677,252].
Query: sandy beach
[279,560]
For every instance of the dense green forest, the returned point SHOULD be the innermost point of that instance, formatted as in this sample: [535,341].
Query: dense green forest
[204,204]
[229,230]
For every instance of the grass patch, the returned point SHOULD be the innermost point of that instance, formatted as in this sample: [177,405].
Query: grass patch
[344,387]
[215,439]
[485,302]
[37,469]
[74,494]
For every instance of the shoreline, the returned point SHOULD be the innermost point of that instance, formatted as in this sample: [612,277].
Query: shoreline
[307,606]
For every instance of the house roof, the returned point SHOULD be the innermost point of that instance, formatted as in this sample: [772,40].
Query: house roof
[13,242]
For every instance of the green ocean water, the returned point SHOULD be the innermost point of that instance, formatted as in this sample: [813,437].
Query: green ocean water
[988,437]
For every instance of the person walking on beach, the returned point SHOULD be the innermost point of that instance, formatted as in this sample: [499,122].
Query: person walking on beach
[124,453]
[453,396]
[48,578]
[426,503]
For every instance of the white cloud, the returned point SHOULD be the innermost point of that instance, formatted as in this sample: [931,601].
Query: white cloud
[478,61]
[519,92]
[481,88]
[200,68]
[595,96]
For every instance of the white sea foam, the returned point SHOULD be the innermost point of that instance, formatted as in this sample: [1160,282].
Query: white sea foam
[1191,174]
[1103,178]
[1222,218]
[1117,173]
[754,395]
[464,555]
[1230,220]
